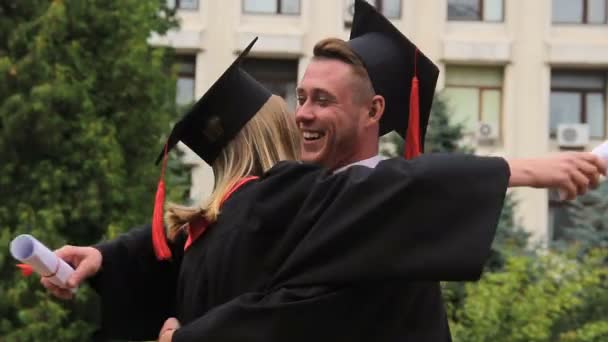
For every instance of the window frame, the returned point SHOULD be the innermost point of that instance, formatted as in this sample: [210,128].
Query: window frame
[182,59]
[556,205]
[380,7]
[480,91]
[348,23]
[274,71]
[277,12]
[481,4]
[585,19]
[178,6]
[582,92]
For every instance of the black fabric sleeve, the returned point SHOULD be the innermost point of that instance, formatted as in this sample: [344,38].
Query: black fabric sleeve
[137,292]
[432,218]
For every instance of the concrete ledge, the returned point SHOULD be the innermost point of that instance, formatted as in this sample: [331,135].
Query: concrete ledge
[577,54]
[476,51]
[272,43]
[180,40]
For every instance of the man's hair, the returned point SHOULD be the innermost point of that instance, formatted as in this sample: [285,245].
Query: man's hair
[338,49]
[269,137]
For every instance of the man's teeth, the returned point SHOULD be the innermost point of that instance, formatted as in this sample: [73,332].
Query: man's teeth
[311,135]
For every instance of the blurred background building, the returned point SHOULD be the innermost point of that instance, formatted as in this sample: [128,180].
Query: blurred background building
[526,77]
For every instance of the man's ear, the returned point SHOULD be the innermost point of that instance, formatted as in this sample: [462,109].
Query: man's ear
[377,108]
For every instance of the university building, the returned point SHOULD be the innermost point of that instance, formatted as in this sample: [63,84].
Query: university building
[525,77]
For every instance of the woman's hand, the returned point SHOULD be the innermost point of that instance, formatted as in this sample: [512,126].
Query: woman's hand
[166,332]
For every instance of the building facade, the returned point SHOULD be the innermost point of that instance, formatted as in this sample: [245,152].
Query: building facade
[526,78]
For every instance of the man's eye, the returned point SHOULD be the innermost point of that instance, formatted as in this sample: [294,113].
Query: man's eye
[323,101]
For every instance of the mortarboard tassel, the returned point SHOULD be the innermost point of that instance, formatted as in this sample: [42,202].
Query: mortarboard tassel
[26,270]
[412,140]
[159,239]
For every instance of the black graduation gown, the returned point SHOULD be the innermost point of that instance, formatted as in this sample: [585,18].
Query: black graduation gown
[306,255]
[137,292]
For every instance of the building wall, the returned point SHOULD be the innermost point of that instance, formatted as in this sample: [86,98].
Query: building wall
[526,45]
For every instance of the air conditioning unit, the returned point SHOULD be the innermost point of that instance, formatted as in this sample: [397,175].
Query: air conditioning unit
[572,135]
[487,132]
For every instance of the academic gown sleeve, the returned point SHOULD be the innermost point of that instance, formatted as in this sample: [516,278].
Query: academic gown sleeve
[432,218]
[137,292]
[429,219]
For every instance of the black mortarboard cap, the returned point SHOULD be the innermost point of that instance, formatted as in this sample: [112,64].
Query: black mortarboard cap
[392,60]
[219,115]
[207,128]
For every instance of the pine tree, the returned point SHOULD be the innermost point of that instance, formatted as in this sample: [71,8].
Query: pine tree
[84,103]
[589,220]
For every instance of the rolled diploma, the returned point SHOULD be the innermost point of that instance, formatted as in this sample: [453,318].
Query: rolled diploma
[28,250]
[602,152]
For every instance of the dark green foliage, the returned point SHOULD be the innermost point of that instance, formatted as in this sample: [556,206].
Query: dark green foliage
[84,104]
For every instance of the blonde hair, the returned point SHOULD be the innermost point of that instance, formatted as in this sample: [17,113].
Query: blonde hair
[338,49]
[270,136]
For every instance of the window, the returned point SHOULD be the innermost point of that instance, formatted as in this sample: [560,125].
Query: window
[185,80]
[183,4]
[271,6]
[476,10]
[278,75]
[389,8]
[474,94]
[578,97]
[580,11]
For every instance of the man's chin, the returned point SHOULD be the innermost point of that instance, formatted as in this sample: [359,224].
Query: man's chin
[315,157]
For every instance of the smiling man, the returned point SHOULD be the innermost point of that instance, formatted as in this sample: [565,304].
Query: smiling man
[338,110]
[354,92]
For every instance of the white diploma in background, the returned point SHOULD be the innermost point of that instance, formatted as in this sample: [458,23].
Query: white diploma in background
[30,251]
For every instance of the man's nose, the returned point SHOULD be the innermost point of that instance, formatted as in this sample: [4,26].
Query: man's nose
[304,113]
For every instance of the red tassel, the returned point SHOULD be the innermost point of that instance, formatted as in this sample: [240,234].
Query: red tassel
[412,139]
[159,238]
[26,270]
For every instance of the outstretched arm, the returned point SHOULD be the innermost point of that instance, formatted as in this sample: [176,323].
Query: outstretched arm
[573,173]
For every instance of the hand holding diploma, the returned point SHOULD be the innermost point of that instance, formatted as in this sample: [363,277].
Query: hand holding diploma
[56,274]
[30,251]
[600,152]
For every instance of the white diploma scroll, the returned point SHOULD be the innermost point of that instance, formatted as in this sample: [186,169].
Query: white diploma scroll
[30,251]
[602,152]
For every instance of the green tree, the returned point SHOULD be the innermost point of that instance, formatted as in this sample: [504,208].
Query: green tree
[84,102]
[586,233]
[536,298]
[589,221]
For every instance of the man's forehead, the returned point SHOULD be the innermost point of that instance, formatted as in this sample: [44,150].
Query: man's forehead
[326,74]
